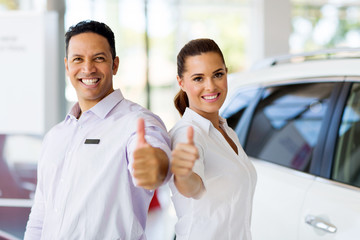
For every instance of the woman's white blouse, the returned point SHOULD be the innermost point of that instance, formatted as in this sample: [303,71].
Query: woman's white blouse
[224,211]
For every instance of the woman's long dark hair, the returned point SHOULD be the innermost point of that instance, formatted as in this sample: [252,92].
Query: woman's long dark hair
[193,48]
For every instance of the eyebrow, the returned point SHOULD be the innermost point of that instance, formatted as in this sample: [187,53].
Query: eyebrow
[96,54]
[197,74]
[100,53]
[220,69]
[200,74]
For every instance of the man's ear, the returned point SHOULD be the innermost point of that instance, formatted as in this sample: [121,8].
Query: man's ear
[180,82]
[115,65]
[66,65]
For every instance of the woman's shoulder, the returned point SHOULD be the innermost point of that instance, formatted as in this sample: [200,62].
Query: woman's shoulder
[183,124]
[191,118]
[178,133]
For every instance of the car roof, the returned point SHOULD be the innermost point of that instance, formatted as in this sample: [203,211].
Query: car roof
[335,64]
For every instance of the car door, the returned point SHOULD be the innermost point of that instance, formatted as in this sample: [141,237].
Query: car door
[283,138]
[277,203]
[332,205]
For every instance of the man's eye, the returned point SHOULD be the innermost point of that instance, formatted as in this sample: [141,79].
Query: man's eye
[76,59]
[99,59]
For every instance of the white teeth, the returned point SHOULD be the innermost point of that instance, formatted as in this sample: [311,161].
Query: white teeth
[210,97]
[89,82]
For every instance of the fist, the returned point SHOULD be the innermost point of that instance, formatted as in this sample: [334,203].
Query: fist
[146,164]
[184,156]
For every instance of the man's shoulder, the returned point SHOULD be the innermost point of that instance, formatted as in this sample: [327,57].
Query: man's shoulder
[133,111]
[58,126]
[55,130]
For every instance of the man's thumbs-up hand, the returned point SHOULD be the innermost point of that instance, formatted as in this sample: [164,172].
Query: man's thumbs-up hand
[184,156]
[141,141]
[150,164]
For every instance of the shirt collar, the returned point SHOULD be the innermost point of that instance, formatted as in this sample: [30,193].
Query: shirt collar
[192,116]
[205,124]
[74,112]
[102,108]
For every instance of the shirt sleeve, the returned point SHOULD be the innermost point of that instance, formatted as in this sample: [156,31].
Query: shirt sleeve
[35,222]
[36,218]
[156,137]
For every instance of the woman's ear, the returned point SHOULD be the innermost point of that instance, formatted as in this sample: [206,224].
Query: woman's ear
[180,82]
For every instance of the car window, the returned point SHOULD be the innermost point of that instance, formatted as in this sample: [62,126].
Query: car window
[346,166]
[237,105]
[287,123]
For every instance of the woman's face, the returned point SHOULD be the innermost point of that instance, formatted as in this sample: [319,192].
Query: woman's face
[205,83]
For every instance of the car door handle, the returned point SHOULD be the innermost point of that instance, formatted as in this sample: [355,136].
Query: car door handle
[320,224]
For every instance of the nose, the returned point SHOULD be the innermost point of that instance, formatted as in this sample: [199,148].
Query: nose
[88,67]
[209,84]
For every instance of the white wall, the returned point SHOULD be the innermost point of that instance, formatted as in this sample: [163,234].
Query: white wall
[28,72]
[270,28]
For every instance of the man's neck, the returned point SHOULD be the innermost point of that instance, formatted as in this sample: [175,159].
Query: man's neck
[79,115]
[87,104]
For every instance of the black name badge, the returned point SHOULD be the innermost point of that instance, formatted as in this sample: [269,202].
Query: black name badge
[92,141]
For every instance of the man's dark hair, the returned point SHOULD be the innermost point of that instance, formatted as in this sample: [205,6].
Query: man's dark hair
[94,27]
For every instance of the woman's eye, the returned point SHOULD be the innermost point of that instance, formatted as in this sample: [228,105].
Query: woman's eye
[197,79]
[219,74]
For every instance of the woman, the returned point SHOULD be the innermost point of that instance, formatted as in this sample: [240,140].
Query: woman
[214,181]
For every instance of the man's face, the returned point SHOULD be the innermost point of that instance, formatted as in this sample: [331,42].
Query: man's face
[90,67]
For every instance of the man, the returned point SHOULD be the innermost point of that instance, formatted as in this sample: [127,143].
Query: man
[99,166]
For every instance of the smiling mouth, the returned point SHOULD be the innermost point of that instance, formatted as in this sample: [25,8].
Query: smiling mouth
[211,97]
[90,81]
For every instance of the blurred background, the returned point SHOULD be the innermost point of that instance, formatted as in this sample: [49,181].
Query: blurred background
[149,34]
[35,93]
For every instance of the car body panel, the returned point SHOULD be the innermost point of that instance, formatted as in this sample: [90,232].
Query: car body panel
[334,203]
[279,185]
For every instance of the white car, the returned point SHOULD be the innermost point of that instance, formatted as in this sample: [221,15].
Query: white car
[298,119]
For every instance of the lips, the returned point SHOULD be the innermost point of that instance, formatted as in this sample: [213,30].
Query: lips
[211,97]
[89,82]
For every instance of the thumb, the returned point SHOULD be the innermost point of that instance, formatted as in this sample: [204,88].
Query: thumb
[190,135]
[141,133]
